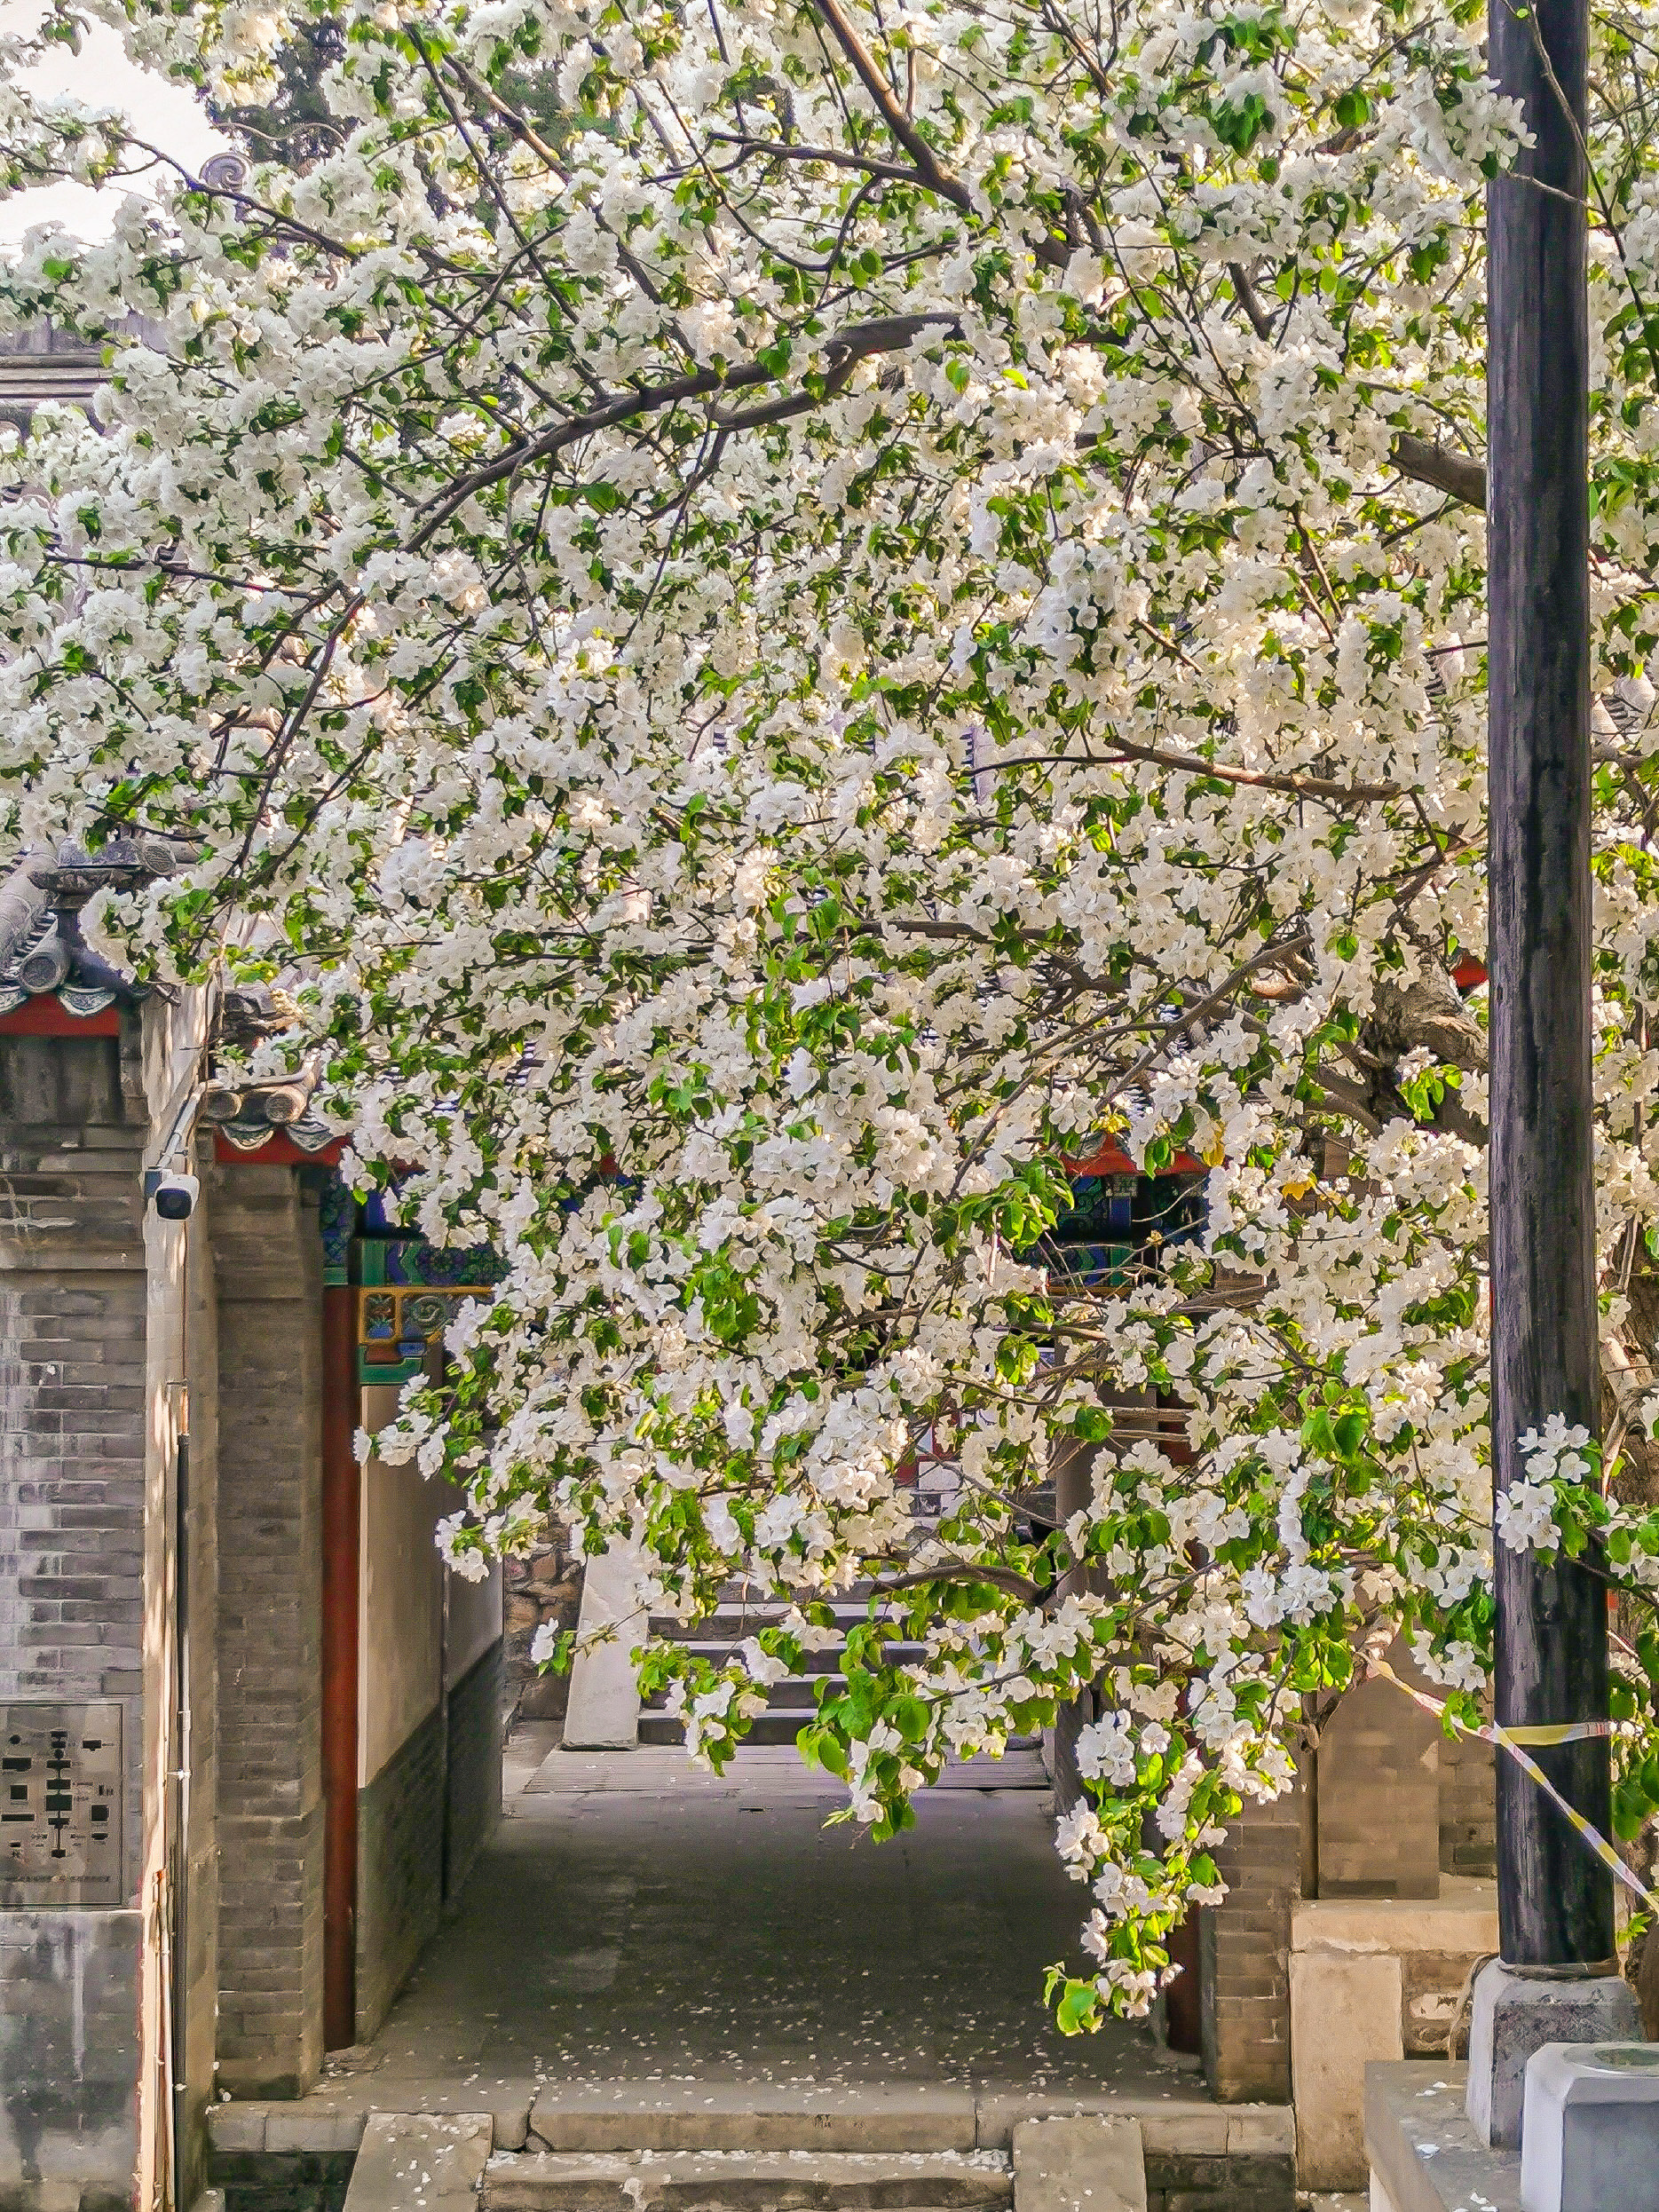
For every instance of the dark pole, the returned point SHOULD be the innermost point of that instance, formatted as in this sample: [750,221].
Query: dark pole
[342,1547]
[1555,1901]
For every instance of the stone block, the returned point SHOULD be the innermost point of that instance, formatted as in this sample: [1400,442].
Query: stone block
[418,2158]
[1424,2154]
[1592,2138]
[547,2180]
[752,2116]
[1095,2163]
[314,2124]
[1514,2014]
[1261,2131]
[1345,2011]
[68,2049]
[238,2126]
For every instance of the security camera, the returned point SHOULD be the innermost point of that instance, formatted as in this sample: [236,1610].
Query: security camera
[173,1197]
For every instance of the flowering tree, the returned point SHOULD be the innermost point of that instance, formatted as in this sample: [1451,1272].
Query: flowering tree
[788,611]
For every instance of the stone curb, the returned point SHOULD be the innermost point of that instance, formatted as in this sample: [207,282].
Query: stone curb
[549,2181]
[744,2116]
[741,2116]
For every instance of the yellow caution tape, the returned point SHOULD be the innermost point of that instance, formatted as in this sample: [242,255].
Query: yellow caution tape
[1512,1740]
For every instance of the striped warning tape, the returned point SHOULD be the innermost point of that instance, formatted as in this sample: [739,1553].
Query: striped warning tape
[1513,1740]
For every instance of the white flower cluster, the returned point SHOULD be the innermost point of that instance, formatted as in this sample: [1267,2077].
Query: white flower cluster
[776,620]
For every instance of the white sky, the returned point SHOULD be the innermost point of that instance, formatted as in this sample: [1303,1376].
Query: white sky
[101,75]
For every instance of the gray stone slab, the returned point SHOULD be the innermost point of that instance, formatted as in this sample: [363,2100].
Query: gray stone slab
[309,2124]
[333,2118]
[1425,2154]
[240,2126]
[420,2163]
[1514,2014]
[1182,2120]
[755,2116]
[550,2180]
[1095,2163]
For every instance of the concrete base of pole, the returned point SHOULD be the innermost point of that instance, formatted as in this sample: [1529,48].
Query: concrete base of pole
[1515,2013]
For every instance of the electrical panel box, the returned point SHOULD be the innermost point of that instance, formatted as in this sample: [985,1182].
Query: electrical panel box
[61,1805]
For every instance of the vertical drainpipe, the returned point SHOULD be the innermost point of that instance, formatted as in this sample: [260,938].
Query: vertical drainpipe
[341,1532]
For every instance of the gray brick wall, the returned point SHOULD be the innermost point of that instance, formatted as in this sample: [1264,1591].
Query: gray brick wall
[1378,1794]
[472,1778]
[399,1868]
[268,1258]
[1468,1809]
[1244,1950]
[72,1501]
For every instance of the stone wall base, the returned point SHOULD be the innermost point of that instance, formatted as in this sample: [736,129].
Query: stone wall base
[1374,1979]
[472,1778]
[399,1869]
[68,2057]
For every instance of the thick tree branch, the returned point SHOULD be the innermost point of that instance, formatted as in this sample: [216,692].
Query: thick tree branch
[1323,787]
[1452,473]
[933,174]
[1245,291]
[888,334]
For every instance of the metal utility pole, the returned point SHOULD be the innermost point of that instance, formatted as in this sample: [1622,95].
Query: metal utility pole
[1555,1901]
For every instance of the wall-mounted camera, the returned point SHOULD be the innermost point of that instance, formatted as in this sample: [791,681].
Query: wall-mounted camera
[173,1197]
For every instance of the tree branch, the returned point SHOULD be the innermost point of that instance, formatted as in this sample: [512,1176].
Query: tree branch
[1452,473]
[888,334]
[937,178]
[1245,291]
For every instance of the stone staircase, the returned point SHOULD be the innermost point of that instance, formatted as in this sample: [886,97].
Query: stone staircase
[743,1612]
[715,2146]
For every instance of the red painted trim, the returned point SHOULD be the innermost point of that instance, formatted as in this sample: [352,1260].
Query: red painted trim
[342,1543]
[48,1016]
[1111,1159]
[278,1150]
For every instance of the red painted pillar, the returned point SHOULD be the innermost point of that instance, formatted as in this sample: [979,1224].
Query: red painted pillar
[342,1527]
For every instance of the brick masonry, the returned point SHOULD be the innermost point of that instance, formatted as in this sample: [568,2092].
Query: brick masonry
[1244,1947]
[72,1501]
[1468,1809]
[544,1589]
[300,2181]
[472,1778]
[399,1868]
[268,1260]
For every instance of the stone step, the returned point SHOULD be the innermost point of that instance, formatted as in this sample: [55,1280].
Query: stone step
[720,1648]
[431,2160]
[748,2181]
[1093,2162]
[729,1625]
[703,2115]
[795,1693]
[767,1727]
